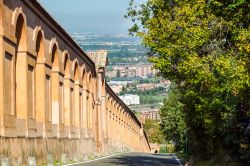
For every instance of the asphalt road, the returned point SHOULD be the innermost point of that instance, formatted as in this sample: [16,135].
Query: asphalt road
[136,159]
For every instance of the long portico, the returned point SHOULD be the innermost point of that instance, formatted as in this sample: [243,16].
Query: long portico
[53,96]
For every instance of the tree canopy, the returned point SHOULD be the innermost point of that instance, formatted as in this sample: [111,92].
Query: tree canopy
[172,119]
[152,128]
[203,47]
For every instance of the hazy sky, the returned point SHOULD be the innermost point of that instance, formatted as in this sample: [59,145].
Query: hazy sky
[98,16]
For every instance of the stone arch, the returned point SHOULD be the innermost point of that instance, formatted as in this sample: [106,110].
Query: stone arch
[40,76]
[76,99]
[111,102]
[56,85]
[115,109]
[83,98]
[108,102]
[76,72]
[66,64]
[54,57]
[119,114]
[103,89]
[16,16]
[114,105]
[68,96]
[21,33]
[84,76]
[39,45]
[21,47]
[92,106]
[54,52]
[90,82]
[37,30]
[89,104]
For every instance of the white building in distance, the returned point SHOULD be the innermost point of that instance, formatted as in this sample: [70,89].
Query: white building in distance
[129,99]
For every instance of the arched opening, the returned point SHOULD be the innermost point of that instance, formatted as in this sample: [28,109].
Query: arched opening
[90,100]
[40,45]
[66,90]
[76,72]
[54,58]
[20,67]
[41,97]
[84,81]
[87,101]
[84,104]
[113,120]
[66,66]
[21,34]
[68,96]
[56,86]
[76,111]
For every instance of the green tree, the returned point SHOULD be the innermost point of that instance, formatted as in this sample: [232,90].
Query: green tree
[154,133]
[172,119]
[203,47]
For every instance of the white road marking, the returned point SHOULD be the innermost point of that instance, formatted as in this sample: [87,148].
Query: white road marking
[178,160]
[93,160]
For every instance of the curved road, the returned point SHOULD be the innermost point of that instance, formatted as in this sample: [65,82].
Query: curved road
[136,159]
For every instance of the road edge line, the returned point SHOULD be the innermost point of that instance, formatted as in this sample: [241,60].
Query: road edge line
[178,160]
[93,160]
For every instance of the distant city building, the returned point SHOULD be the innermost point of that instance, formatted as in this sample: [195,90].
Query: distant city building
[122,64]
[130,99]
[123,83]
[131,70]
[111,73]
[153,114]
[144,87]
[116,88]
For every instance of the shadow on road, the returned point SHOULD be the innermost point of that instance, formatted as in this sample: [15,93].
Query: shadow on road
[143,160]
